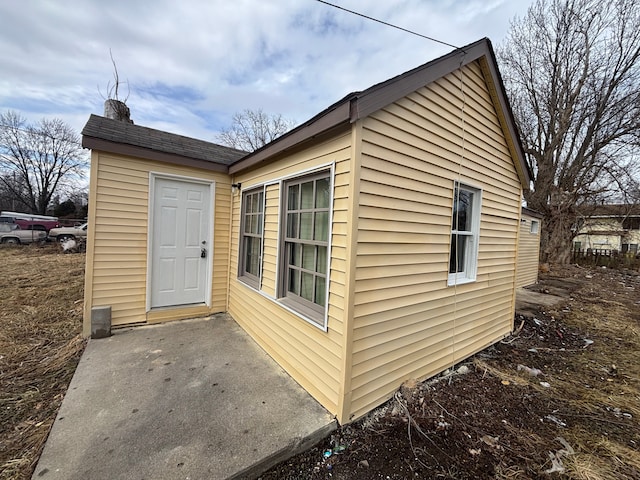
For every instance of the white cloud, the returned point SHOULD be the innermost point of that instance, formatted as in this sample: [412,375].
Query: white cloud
[190,65]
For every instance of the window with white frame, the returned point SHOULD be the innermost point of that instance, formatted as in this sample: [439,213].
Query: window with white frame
[251,236]
[305,244]
[465,226]
[535,226]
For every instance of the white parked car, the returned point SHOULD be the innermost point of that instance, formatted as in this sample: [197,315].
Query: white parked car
[11,233]
[65,233]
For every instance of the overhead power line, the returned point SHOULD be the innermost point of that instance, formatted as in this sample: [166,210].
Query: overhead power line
[388,24]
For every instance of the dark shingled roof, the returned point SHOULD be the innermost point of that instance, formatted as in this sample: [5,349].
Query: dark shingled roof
[118,132]
[609,210]
[532,213]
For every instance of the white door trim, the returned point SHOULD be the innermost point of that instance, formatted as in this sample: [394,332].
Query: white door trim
[211,234]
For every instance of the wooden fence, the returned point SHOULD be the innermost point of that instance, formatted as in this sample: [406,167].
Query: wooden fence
[598,257]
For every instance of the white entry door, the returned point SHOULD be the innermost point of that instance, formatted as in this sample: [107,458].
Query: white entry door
[180,242]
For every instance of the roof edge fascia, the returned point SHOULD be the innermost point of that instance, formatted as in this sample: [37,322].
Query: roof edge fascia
[125,149]
[389,91]
[515,145]
[341,113]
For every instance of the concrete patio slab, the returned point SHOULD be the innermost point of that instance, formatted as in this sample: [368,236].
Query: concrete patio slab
[196,399]
[528,301]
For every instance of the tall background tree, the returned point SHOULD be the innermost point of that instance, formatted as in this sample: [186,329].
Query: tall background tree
[38,161]
[572,72]
[251,129]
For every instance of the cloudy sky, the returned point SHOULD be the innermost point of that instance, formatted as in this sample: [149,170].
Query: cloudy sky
[191,64]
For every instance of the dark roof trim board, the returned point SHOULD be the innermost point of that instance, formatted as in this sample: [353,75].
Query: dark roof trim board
[611,210]
[148,154]
[115,136]
[361,104]
[331,118]
[603,232]
[532,213]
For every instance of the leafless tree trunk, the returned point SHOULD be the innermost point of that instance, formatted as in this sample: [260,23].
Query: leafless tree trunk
[36,161]
[252,129]
[572,72]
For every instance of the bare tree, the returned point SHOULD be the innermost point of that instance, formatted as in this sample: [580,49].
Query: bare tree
[572,72]
[38,161]
[251,129]
[10,183]
[115,107]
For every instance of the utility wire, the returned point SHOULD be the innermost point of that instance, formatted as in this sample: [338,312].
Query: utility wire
[388,24]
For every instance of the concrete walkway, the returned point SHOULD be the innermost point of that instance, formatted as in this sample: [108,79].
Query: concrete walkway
[192,400]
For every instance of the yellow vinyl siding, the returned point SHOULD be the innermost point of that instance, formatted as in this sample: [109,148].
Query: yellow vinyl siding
[311,356]
[119,220]
[528,252]
[407,321]
[270,250]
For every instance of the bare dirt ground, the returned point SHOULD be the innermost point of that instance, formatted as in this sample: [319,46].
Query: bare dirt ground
[40,345]
[561,395]
[560,398]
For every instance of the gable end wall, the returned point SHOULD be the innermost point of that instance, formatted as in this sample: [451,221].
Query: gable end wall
[407,322]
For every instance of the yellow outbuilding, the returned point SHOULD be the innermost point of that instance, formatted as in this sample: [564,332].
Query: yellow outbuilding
[374,243]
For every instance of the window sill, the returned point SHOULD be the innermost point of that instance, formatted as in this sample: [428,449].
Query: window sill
[453,281]
[313,317]
[250,281]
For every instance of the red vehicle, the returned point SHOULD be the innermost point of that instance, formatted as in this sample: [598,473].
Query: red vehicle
[26,221]
[44,225]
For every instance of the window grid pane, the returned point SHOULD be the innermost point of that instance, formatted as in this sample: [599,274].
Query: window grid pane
[459,245]
[306,289]
[321,266]
[306,195]
[320,291]
[306,226]
[294,281]
[322,193]
[309,257]
[307,234]
[462,210]
[292,203]
[252,258]
[296,255]
[252,218]
[321,230]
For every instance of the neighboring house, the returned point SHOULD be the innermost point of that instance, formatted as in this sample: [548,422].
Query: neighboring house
[609,227]
[528,248]
[374,243]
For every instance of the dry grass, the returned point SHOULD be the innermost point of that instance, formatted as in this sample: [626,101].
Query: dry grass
[601,459]
[595,387]
[40,345]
